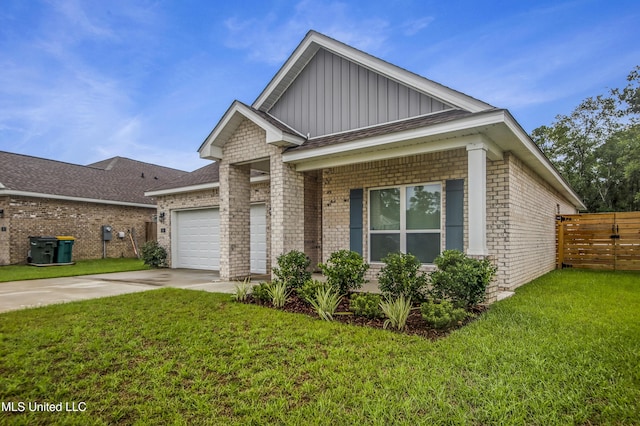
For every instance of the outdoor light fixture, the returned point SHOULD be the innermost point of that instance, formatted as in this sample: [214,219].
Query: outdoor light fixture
[1,213]
[162,217]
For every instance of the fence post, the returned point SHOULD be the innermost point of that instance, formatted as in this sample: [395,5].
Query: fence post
[560,239]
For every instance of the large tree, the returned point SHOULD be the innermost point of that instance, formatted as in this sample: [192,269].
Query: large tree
[597,147]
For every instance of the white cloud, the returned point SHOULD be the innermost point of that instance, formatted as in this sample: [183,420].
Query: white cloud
[414,26]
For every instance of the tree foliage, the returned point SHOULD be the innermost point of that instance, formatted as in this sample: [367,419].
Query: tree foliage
[597,147]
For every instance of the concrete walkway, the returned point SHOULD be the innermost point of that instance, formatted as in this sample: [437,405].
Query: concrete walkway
[33,293]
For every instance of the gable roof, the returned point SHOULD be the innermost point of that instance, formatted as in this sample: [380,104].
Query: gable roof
[314,41]
[277,132]
[116,180]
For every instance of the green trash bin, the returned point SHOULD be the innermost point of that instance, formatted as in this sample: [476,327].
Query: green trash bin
[42,250]
[65,249]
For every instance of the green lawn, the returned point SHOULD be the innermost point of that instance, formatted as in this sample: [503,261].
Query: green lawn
[564,350]
[81,267]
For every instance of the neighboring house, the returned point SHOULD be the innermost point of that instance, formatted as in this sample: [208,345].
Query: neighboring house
[363,155]
[40,197]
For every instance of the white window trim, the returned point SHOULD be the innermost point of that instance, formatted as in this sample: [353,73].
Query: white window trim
[403,219]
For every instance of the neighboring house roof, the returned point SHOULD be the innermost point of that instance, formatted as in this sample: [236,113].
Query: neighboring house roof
[116,180]
[206,177]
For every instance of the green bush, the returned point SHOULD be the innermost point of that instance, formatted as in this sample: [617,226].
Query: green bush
[325,302]
[461,279]
[309,289]
[401,276]
[345,270]
[261,292]
[292,269]
[397,312]
[442,315]
[153,254]
[366,305]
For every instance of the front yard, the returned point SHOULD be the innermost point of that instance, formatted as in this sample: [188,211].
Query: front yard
[564,350]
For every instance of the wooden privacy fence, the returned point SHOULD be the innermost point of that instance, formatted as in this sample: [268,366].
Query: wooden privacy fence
[599,241]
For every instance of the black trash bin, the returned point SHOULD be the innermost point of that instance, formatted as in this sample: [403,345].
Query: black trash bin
[43,250]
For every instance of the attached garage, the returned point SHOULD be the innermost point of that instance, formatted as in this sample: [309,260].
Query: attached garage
[197,239]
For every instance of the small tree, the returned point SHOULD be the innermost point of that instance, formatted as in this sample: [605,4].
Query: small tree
[345,270]
[401,276]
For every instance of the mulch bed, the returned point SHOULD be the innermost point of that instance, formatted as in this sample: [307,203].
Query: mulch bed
[415,324]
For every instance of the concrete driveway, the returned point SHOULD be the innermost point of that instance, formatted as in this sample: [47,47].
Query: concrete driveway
[32,293]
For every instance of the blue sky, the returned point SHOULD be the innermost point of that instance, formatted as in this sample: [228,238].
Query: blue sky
[81,81]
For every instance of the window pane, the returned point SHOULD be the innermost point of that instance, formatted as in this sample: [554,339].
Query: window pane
[383,244]
[425,247]
[385,209]
[423,207]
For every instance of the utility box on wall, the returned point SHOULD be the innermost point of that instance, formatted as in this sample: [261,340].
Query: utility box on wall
[107,233]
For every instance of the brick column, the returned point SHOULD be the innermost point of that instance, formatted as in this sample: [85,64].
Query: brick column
[287,208]
[235,233]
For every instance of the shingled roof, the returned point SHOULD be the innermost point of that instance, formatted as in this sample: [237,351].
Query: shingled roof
[116,180]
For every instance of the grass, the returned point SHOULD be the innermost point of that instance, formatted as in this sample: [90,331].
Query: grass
[564,350]
[81,267]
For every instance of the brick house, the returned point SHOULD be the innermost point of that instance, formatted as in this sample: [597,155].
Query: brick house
[356,153]
[45,197]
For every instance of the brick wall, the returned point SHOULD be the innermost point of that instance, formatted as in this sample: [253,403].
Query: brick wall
[5,232]
[524,236]
[26,217]
[337,181]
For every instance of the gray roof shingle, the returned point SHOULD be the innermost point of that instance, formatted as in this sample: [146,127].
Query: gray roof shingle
[116,179]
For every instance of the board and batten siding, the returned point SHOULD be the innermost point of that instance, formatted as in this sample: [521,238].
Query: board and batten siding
[333,94]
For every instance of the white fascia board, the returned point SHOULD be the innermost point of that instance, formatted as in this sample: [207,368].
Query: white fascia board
[381,140]
[200,187]
[181,190]
[69,198]
[433,89]
[212,146]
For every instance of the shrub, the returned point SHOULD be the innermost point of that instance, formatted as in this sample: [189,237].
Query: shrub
[292,269]
[309,289]
[345,270]
[442,315]
[401,276]
[461,279]
[153,254]
[242,290]
[366,305]
[279,293]
[326,302]
[397,312]
[261,293]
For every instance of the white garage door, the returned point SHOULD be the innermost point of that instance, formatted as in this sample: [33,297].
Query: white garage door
[197,239]
[258,239]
